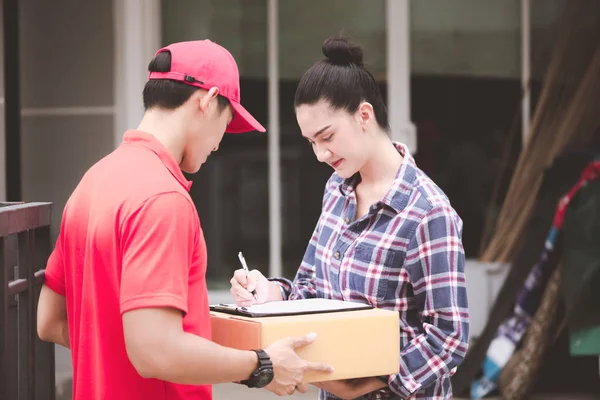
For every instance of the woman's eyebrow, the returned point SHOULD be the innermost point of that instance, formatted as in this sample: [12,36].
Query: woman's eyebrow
[320,131]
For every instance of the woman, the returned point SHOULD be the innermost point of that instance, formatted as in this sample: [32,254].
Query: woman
[387,235]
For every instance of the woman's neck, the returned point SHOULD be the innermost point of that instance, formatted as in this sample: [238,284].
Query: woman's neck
[383,165]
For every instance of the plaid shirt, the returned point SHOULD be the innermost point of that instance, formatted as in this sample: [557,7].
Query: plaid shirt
[405,254]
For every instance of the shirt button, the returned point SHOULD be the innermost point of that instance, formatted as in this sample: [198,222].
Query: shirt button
[336,255]
[347,220]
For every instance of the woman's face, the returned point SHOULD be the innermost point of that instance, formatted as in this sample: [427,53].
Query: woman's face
[338,138]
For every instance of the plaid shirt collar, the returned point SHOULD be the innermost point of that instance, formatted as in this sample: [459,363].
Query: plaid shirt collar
[398,195]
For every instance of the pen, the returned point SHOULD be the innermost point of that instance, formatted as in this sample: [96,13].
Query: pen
[245,266]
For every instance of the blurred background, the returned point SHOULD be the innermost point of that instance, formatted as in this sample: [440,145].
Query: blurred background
[480,91]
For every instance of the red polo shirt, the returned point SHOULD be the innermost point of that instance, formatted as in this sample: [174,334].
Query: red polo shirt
[130,238]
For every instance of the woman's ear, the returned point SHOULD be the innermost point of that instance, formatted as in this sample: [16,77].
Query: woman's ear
[365,114]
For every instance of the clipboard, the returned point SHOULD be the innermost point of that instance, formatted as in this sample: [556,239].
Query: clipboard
[291,307]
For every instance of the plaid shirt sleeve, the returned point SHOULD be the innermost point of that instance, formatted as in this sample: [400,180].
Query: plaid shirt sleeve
[435,264]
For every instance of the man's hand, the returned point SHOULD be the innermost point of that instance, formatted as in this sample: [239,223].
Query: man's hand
[289,369]
[351,388]
[242,287]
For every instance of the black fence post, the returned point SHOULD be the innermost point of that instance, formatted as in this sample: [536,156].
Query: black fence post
[26,362]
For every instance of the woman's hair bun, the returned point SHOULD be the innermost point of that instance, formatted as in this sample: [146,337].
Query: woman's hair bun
[341,51]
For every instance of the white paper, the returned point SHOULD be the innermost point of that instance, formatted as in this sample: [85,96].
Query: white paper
[291,307]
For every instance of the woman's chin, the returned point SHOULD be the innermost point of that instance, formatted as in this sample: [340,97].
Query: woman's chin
[345,173]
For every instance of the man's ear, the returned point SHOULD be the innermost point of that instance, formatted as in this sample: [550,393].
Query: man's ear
[206,97]
[365,114]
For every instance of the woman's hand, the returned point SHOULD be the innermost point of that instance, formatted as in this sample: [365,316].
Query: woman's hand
[242,287]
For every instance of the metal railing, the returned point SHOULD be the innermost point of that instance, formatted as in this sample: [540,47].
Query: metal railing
[26,362]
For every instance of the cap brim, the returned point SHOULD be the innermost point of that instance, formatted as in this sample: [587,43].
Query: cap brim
[243,121]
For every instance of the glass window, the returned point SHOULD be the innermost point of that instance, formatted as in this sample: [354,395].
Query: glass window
[466,38]
[465,95]
[303,26]
[231,189]
[240,26]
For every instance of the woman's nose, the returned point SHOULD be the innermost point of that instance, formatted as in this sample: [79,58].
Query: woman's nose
[323,155]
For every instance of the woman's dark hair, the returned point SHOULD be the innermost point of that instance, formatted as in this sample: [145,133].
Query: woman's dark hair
[168,94]
[342,80]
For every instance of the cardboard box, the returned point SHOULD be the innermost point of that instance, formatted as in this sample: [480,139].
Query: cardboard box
[357,343]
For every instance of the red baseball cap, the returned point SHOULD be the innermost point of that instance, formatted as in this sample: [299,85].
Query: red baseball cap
[205,64]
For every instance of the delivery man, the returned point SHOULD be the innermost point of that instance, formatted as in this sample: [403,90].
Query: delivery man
[125,285]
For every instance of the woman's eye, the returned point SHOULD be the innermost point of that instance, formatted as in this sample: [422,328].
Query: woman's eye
[328,138]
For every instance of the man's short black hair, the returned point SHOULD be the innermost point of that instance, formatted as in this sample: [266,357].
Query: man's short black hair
[167,94]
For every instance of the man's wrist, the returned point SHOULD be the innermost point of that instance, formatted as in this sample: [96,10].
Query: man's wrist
[250,365]
[253,362]
[263,373]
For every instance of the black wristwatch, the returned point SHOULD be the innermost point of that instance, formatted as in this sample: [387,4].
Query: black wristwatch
[263,374]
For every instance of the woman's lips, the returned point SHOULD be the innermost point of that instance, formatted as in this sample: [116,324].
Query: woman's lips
[337,163]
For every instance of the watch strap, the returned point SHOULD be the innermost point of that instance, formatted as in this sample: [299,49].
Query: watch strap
[263,363]
[263,359]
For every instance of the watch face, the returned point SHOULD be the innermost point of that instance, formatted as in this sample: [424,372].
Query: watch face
[265,376]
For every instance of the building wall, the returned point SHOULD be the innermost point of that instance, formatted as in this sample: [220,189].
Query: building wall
[66,55]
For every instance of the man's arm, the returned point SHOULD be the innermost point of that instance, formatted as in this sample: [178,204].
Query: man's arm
[158,243]
[52,323]
[158,348]
[52,320]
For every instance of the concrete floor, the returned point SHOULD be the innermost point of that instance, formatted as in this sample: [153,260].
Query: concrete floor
[235,392]
[230,391]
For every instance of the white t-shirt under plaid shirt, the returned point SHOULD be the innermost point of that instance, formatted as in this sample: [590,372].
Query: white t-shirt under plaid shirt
[405,254]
